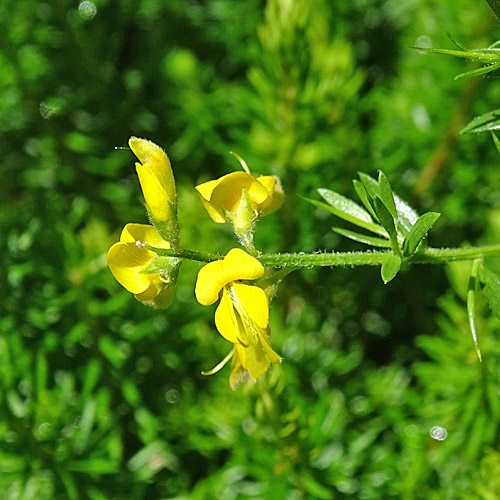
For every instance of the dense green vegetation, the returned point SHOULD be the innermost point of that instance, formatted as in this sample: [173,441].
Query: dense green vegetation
[101,398]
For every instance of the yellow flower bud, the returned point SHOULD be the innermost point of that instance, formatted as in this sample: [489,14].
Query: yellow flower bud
[156,178]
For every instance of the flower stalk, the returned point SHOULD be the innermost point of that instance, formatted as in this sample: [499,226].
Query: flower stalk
[340,259]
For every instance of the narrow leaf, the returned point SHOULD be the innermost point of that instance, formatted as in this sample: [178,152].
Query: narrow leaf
[483,123]
[459,45]
[407,216]
[390,268]
[385,193]
[384,216]
[363,196]
[487,56]
[479,71]
[471,305]
[491,289]
[370,184]
[369,226]
[496,141]
[344,204]
[418,232]
[363,238]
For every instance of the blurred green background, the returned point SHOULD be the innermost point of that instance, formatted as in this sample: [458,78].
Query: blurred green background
[101,398]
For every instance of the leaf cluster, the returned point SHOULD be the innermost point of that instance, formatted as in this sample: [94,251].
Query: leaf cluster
[395,224]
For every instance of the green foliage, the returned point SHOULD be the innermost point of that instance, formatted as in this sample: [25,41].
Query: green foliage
[403,230]
[101,397]
[418,232]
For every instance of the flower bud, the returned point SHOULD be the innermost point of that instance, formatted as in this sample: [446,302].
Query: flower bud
[158,187]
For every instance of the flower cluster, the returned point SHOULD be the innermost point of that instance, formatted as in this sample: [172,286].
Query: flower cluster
[130,259]
[242,316]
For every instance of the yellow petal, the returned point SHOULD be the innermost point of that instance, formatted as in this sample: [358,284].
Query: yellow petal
[253,302]
[159,294]
[258,357]
[144,233]
[152,155]
[226,322]
[224,194]
[266,345]
[229,191]
[205,191]
[126,260]
[275,199]
[238,373]
[237,265]
[256,361]
[154,194]
[154,288]
[216,214]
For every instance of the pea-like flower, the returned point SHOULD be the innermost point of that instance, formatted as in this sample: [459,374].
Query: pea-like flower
[223,197]
[157,182]
[130,257]
[242,316]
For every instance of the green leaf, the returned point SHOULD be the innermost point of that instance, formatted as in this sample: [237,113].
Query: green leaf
[407,216]
[418,232]
[496,141]
[387,222]
[479,71]
[344,204]
[491,289]
[369,226]
[315,488]
[384,216]
[371,185]
[81,437]
[69,484]
[390,268]
[459,45]
[130,392]
[486,56]
[471,305]
[157,451]
[363,238]
[92,373]
[483,123]
[385,193]
[363,196]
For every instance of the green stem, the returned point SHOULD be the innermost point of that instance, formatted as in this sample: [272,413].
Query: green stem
[334,259]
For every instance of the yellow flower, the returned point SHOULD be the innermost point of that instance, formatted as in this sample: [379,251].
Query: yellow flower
[130,256]
[222,197]
[156,178]
[242,316]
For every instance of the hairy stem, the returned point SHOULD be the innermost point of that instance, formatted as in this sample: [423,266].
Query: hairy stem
[335,259]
